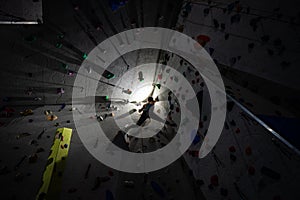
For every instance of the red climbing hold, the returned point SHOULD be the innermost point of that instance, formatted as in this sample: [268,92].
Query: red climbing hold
[251,170]
[203,39]
[232,149]
[110,173]
[214,180]
[277,197]
[193,153]
[237,130]
[200,124]
[248,151]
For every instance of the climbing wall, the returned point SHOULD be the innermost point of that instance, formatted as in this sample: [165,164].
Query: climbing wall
[248,162]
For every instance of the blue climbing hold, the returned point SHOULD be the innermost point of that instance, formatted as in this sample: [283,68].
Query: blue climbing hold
[156,187]
[109,195]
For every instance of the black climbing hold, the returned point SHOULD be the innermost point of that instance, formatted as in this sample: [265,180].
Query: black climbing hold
[232,123]
[222,26]
[199,182]
[270,173]
[230,105]
[224,192]
[251,45]
[226,126]
[211,51]
[265,38]
[232,157]
[270,52]
[206,12]
[216,23]
[226,36]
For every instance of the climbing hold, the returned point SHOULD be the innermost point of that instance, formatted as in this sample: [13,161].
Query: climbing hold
[109,195]
[248,151]
[199,182]
[60,91]
[51,117]
[26,112]
[222,26]
[211,51]
[232,123]
[200,124]
[232,149]
[251,170]
[232,157]
[19,177]
[129,184]
[265,38]
[65,66]
[84,56]
[62,107]
[216,23]
[39,150]
[224,192]
[206,12]
[30,38]
[197,139]
[110,173]
[157,188]
[250,47]
[70,73]
[72,190]
[230,105]
[214,180]
[235,18]
[232,61]
[47,112]
[226,36]
[33,158]
[58,45]
[202,40]
[270,52]
[33,142]
[270,173]
[22,135]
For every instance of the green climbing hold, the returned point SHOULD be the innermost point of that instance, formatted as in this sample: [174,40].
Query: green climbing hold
[65,66]
[108,74]
[58,45]
[84,56]
[60,36]
[30,38]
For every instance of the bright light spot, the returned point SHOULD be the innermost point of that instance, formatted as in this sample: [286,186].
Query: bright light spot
[141,93]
